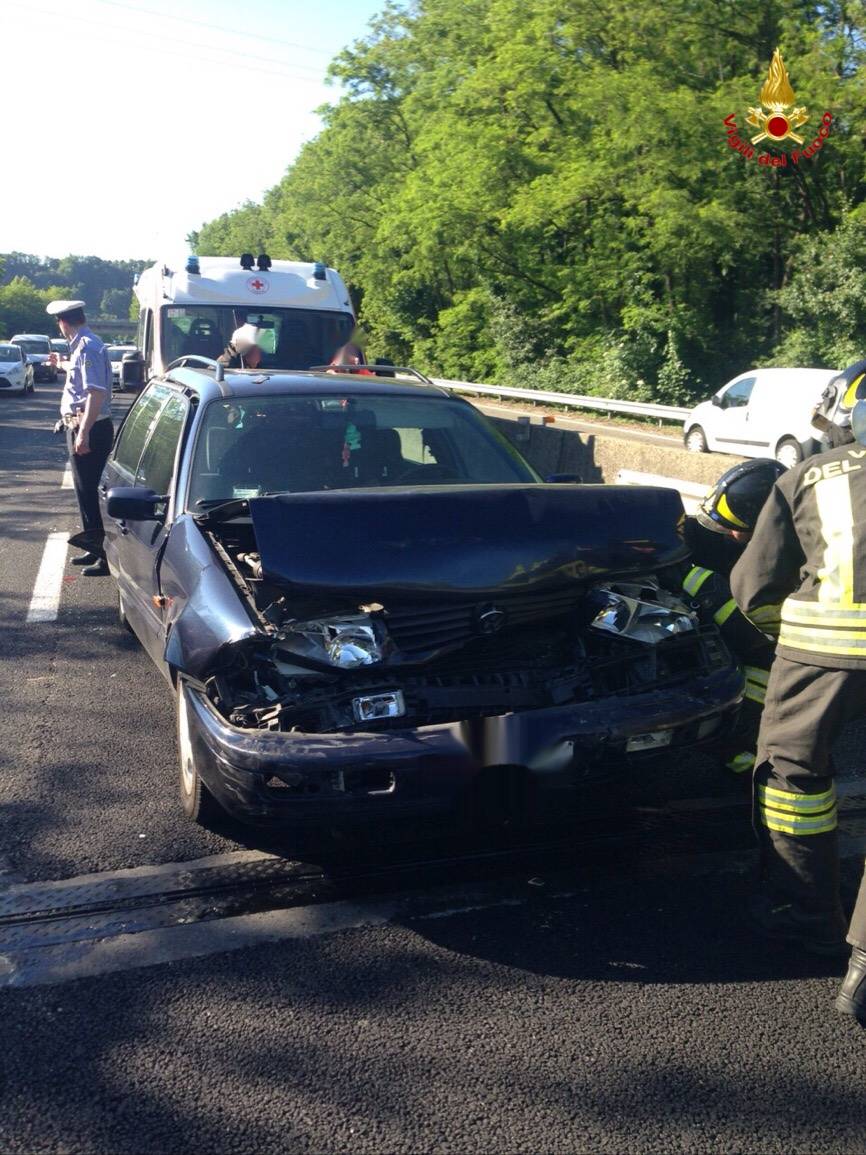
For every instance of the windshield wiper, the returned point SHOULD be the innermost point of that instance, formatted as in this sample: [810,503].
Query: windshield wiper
[220,508]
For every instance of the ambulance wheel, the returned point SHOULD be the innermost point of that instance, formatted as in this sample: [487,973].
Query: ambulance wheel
[696,440]
[789,452]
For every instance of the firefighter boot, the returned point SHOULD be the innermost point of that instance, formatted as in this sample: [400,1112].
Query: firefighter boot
[851,999]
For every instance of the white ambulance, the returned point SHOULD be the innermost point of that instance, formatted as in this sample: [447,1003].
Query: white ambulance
[191,308]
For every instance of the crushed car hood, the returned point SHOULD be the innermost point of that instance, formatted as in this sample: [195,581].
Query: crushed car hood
[464,540]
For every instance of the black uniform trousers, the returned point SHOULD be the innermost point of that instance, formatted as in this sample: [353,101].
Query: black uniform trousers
[86,471]
[795,796]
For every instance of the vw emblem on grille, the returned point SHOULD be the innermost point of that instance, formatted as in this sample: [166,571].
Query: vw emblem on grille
[490,619]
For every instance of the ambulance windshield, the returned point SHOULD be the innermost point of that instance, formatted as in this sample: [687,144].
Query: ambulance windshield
[290,338]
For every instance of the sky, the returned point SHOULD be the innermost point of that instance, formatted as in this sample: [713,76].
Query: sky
[139,120]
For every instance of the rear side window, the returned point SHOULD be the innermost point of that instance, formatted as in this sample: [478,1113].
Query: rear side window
[156,468]
[137,426]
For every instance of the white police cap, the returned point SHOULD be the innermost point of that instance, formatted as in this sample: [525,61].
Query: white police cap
[58,308]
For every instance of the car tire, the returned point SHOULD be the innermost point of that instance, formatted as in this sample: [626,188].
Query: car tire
[789,452]
[695,440]
[198,804]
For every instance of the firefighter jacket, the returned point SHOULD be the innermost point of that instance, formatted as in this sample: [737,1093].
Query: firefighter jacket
[803,574]
[705,582]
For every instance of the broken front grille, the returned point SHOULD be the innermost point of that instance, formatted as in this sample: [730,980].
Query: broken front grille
[420,629]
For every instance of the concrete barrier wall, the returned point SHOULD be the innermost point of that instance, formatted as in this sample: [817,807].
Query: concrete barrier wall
[599,457]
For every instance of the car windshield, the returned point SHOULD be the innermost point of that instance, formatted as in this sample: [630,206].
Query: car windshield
[31,346]
[117,354]
[251,446]
[60,346]
[290,338]
[10,353]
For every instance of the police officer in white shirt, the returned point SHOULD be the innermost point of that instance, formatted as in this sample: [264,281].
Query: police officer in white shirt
[85,410]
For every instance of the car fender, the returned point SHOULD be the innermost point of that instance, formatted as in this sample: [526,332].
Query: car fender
[205,612]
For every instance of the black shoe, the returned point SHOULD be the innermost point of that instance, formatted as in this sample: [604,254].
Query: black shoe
[851,999]
[98,570]
[821,933]
[86,559]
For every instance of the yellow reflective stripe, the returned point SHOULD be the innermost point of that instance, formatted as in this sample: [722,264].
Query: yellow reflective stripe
[850,398]
[766,613]
[695,578]
[756,693]
[724,612]
[824,641]
[757,674]
[777,797]
[836,575]
[741,763]
[797,827]
[824,614]
[726,512]
[795,610]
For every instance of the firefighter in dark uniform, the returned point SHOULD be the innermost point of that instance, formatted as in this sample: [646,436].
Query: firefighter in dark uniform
[716,537]
[806,567]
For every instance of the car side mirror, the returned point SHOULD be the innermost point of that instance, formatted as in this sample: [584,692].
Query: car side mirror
[129,503]
[132,369]
[717,401]
[564,479]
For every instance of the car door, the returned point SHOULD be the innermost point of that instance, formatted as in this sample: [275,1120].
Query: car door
[730,428]
[122,469]
[144,540]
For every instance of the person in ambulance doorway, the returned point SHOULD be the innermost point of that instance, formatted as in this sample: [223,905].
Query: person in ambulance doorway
[716,537]
[243,351]
[806,567]
[85,411]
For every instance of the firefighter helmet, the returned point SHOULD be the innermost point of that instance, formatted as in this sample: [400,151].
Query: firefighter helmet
[857,390]
[738,496]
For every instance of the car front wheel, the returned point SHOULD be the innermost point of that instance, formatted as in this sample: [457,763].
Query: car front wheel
[789,452]
[696,440]
[199,805]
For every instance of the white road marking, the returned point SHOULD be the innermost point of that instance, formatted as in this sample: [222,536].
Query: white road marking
[66,483]
[49,581]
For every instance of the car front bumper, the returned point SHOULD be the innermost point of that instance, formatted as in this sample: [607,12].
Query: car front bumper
[304,781]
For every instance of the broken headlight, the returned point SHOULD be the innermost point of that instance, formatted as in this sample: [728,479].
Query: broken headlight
[345,642]
[642,613]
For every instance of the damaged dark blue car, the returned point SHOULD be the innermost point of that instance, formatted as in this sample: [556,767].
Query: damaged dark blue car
[370,605]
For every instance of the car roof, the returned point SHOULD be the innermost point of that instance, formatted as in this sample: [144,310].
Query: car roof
[251,382]
[30,337]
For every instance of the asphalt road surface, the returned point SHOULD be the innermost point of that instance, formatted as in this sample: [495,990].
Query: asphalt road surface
[203,991]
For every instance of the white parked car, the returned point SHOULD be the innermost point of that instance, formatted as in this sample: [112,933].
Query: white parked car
[761,413]
[16,372]
[37,346]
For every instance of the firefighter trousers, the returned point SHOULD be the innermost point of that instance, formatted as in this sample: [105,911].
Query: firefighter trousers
[794,793]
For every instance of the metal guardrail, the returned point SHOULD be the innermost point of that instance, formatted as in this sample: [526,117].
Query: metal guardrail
[571,400]
[692,492]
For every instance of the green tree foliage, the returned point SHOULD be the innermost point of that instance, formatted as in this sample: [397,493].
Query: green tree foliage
[115,303]
[91,279]
[22,307]
[542,190]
